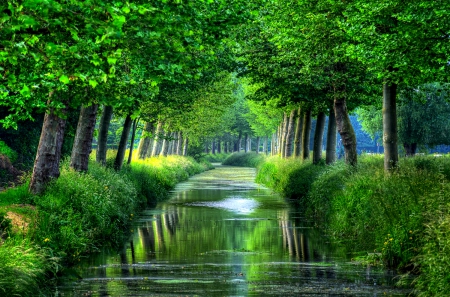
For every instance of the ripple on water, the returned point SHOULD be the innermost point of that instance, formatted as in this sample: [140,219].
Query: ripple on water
[234,204]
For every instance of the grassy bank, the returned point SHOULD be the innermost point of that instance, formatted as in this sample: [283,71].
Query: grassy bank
[404,216]
[78,213]
[250,159]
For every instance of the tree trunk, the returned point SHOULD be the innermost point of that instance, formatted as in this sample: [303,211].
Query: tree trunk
[133,136]
[213,147]
[219,147]
[185,145]
[118,162]
[103,128]
[390,127]
[410,149]
[179,143]
[165,144]
[298,133]
[82,145]
[266,145]
[46,164]
[345,128]
[258,140]
[284,129]
[144,143]
[156,139]
[306,132]
[239,142]
[331,139]
[290,134]
[318,137]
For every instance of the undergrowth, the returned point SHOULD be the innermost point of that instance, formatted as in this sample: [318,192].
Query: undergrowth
[78,213]
[404,215]
[250,159]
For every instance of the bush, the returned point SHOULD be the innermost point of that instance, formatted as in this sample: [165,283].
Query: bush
[215,158]
[7,151]
[251,159]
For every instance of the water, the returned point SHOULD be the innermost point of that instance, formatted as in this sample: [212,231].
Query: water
[221,234]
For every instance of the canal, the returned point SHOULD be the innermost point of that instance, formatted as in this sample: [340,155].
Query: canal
[220,234]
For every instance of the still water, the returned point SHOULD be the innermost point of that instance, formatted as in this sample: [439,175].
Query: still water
[220,234]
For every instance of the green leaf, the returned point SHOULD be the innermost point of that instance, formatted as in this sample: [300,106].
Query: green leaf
[25,91]
[112,60]
[64,79]
[93,83]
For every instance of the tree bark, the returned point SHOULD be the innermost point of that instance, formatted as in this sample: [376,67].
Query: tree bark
[133,136]
[410,149]
[165,144]
[258,140]
[219,147]
[144,143]
[266,145]
[118,162]
[48,155]
[213,147]
[298,133]
[306,133]
[185,145]
[103,128]
[345,128]
[239,142]
[390,135]
[331,139]
[318,138]
[290,135]
[284,129]
[82,145]
[156,139]
[179,143]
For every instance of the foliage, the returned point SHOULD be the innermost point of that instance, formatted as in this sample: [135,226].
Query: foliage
[250,159]
[215,158]
[7,151]
[5,224]
[25,268]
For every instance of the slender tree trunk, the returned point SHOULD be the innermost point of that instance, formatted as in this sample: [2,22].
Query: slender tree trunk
[239,141]
[219,147]
[213,147]
[306,132]
[273,148]
[82,145]
[410,149]
[258,140]
[145,141]
[46,164]
[133,136]
[103,128]
[118,162]
[331,138]
[345,128]
[156,139]
[266,145]
[179,143]
[284,131]
[290,134]
[165,144]
[185,145]
[298,133]
[318,137]
[249,144]
[390,127]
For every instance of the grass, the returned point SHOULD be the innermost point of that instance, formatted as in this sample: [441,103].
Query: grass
[251,159]
[77,214]
[404,216]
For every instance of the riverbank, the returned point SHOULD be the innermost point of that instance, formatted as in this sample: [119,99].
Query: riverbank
[76,215]
[404,217]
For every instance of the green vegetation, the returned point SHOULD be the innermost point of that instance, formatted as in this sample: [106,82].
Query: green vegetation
[78,213]
[216,158]
[251,159]
[403,216]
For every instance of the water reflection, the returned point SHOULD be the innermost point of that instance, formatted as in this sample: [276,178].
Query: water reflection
[222,235]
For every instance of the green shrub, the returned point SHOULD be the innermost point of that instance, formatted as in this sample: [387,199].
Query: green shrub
[251,159]
[215,158]
[7,151]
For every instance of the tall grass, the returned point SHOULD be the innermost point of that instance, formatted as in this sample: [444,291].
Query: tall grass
[251,159]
